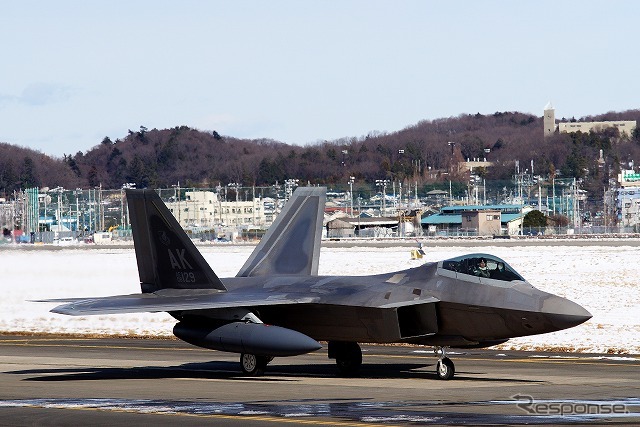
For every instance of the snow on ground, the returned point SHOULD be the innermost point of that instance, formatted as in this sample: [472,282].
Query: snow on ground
[602,279]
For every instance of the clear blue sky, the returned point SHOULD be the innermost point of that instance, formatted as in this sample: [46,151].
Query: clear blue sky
[73,72]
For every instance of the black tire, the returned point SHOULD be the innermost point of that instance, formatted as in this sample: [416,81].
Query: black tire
[349,360]
[253,365]
[445,369]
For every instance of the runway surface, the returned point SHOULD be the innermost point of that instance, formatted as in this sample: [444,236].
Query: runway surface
[71,381]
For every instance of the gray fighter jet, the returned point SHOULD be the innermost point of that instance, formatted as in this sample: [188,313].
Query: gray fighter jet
[277,305]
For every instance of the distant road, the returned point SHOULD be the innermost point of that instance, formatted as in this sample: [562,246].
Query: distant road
[480,242]
[386,243]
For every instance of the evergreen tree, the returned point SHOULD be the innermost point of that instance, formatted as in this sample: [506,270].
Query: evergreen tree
[28,175]
[534,219]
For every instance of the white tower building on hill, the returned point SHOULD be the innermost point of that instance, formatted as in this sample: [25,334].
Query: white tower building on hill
[549,120]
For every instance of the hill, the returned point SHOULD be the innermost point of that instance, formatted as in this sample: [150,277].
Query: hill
[160,158]
[22,167]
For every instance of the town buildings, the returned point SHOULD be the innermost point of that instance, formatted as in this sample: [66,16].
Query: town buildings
[205,210]
[628,199]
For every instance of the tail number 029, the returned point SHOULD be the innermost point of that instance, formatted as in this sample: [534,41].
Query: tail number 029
[185,277]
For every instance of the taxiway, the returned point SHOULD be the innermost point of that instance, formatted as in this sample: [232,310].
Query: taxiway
[47,380]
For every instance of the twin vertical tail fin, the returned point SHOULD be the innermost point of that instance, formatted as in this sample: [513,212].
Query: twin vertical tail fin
[291,246]
[167,258]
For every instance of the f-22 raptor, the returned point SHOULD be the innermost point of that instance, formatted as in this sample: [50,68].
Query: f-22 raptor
[278,305]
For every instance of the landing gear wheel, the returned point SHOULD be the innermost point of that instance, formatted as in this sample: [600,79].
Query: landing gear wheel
[254,365]
[348,367]
[348,357]
[445,369]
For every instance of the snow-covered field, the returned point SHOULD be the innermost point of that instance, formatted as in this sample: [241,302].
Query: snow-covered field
[605,280]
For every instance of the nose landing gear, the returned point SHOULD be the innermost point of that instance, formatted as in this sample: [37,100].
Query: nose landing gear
[444,368]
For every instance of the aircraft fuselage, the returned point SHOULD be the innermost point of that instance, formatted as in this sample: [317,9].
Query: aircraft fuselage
[427,305]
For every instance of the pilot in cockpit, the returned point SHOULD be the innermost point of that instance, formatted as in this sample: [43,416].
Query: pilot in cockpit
[481,269]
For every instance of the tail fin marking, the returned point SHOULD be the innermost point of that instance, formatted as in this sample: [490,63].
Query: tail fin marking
[166,256]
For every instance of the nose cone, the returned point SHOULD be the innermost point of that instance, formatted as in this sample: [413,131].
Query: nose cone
[563,313]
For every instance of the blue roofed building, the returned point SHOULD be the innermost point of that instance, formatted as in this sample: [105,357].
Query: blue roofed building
[476,220]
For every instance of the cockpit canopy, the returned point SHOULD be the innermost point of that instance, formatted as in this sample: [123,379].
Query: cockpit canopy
[482,265]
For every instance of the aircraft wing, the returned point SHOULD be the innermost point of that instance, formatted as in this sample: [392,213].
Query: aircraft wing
[177,300]
[201,299]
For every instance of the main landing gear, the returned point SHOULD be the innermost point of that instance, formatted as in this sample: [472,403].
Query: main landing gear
[444,368]
[348,357]
[254,365]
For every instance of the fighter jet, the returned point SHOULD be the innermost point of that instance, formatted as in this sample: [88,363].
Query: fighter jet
[278,305]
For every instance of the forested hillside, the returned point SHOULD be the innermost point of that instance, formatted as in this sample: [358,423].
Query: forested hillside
[22,168]
[160,158]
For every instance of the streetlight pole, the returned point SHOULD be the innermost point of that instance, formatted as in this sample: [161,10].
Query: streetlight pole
[236,187]
[45,213]
[226,208]
[58,190]
[77,193]
[91,209]
[383,184]
[553,194]
[218,192]
[125,218]
[101,208]
[176,201]
[351,181]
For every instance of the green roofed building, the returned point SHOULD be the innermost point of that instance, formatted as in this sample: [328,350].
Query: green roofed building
[476,220]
